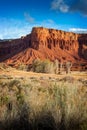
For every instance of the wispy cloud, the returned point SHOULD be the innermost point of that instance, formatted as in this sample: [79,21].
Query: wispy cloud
[78,30]
[59,5]
[29,18]
[11,28]
[48,23]
[70,6]
[1,36]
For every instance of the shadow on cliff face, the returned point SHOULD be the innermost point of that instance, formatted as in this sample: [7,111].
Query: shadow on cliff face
[82,50]
[10,48]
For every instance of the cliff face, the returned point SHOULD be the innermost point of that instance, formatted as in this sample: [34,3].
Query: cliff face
[51,38]
[75,44]
[10,48]
[82,40]
[45,44]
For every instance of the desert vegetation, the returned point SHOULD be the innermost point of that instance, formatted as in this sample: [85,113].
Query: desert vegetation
[38,104]
[47,66]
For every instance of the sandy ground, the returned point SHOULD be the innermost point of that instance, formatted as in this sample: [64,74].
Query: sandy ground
[18,73]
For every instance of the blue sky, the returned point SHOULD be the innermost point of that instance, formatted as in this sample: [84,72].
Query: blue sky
[17,17]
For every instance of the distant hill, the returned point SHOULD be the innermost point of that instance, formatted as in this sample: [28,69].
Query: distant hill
[5,40]
[1,40]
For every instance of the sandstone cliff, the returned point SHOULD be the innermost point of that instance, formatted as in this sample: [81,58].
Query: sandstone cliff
[45,43]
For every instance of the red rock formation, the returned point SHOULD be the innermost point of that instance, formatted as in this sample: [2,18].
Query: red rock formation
[45,44]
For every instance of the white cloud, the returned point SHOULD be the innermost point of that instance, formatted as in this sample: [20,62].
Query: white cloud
[15,32]
[29,18]
[78,30]
[59,5]
[47,23]
[70,6]
[1,36]
[11,28]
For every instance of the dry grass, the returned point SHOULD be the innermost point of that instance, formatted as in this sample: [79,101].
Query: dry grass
[30,101]
[18,73]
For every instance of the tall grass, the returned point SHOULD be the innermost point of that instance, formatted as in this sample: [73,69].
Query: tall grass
[36,105]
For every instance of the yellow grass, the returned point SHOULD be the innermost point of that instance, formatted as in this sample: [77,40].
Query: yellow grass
[19,73]
[43,98]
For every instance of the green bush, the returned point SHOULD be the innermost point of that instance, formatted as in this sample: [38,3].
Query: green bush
[22,66]
[4,99]
[45,66]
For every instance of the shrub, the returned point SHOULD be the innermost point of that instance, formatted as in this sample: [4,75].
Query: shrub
[22,66]
[48,66]
[43,105]
[4,99]
[37,66]
[45,66]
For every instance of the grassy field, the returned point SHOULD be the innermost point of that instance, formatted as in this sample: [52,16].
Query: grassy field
[36,101]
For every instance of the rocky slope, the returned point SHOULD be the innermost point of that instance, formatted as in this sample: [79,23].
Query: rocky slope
[45,43]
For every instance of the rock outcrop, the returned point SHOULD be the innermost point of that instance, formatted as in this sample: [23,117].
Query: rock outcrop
[45,43]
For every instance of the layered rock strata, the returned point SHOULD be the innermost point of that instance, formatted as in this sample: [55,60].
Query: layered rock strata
[45,43]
